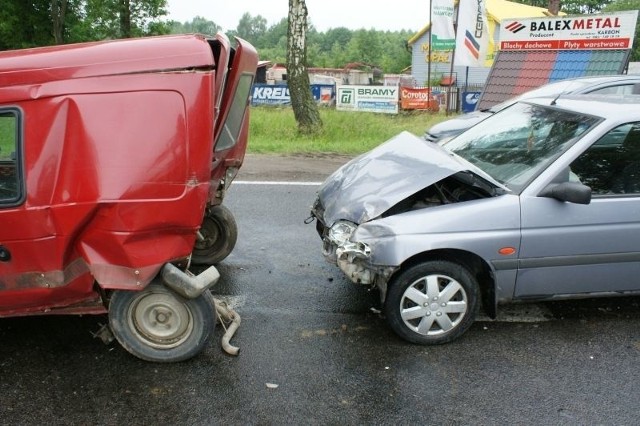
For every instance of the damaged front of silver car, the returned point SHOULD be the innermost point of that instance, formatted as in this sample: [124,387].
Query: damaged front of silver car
[438,228]
[370,218]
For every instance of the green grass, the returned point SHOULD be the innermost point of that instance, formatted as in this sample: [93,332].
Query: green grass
[274,130]
[7,136]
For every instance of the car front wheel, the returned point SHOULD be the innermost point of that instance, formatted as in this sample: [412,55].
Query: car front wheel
[431,303]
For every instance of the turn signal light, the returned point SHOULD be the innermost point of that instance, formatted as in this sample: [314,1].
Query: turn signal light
[507,251]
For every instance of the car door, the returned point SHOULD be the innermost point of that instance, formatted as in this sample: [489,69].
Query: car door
[579,249]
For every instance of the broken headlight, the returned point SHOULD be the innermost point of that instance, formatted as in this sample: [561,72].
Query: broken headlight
[341,231]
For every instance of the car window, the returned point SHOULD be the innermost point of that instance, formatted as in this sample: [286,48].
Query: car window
[518,143]
[233,123]
[623,89]
[612,164]
[10,186]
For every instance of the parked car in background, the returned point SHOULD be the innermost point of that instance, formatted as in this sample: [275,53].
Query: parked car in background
[609,84]
[539,201]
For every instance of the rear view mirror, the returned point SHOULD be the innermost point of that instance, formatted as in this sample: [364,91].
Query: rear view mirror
[570,192]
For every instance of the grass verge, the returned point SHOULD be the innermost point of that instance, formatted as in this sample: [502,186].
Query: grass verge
[274,130]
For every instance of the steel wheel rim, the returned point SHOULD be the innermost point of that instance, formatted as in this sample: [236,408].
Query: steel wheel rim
[433,305]
[161,320]
[211,232]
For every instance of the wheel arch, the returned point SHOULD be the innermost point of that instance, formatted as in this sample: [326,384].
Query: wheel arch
[476,265]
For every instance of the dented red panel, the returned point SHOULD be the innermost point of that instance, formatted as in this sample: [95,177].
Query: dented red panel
[117,166]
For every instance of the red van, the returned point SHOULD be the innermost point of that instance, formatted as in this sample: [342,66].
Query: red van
[111,155]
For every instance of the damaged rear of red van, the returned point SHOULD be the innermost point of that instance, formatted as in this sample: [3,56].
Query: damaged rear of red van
[111,155]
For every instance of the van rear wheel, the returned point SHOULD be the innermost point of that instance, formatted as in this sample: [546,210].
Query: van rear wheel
[156,324]
[220,233]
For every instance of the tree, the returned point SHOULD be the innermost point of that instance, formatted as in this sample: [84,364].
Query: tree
[58,12]
[572,7]
[111,19]
[622,5]
[26,24]
[305,109]
[199,25]
[252,29]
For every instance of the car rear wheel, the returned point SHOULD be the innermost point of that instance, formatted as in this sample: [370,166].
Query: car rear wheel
[220,233]
[431,303]
[155,324]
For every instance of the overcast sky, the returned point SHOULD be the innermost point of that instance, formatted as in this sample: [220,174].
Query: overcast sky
[324,14]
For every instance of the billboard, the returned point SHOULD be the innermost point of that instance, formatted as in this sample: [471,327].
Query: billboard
[412,98]
[382,99]
[586,32]
[278,94]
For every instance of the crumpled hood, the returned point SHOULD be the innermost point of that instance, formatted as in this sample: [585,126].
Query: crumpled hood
[372,183]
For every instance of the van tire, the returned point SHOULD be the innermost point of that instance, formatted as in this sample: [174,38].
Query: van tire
[156,324]
[220,232]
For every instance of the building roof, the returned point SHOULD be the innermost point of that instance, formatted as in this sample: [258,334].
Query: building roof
[515,72]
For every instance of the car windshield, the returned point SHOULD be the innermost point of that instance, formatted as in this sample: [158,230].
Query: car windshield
[518,143]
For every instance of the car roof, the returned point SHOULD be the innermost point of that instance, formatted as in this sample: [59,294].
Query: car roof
[572,85]
[623,108]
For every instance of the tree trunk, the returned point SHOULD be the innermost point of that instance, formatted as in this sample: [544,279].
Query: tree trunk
[58,11]
[305,108]
[125,19]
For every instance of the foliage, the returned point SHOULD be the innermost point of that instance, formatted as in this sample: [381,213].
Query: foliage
[199,25]
[29,23]
[251,29]
[572,7]
[273,130]
[622,5]
[125,18]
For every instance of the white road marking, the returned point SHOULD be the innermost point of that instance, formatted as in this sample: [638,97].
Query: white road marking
[283,183]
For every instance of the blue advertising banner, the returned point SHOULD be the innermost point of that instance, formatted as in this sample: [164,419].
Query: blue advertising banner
[278,94]
[469,101]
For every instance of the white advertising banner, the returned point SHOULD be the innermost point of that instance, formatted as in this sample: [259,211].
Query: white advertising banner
[474,47]
[443,36]
[368,98]
[588,32]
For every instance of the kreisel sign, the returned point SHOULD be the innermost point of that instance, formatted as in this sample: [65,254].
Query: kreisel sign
[588,32]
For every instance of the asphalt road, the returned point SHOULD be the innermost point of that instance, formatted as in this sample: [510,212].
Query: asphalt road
[314,352]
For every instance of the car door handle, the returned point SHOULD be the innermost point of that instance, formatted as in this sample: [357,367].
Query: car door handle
[5,255]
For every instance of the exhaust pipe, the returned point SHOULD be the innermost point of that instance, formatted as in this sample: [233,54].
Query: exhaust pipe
[227,314]
[186,284]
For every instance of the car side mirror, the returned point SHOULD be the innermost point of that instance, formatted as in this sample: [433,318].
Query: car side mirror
[570,192]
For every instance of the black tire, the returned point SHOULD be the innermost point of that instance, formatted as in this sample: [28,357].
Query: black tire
[155,324]
[436,315]
[220,232]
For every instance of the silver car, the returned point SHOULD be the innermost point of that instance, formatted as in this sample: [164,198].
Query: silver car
[600,85]
[540,201]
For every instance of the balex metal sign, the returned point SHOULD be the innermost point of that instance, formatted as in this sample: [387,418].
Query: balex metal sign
[588,32]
